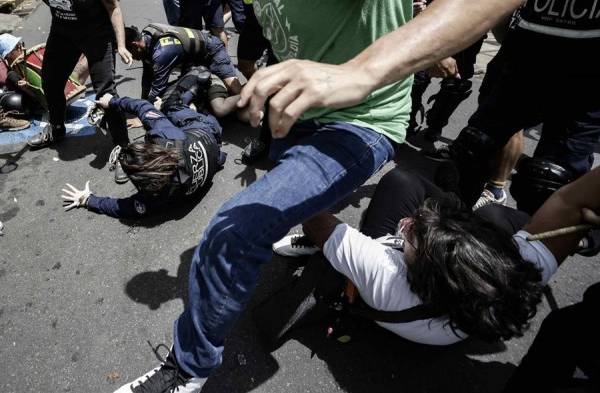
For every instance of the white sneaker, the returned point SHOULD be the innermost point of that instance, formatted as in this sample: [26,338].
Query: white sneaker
[295,246]
[166,378]
[487,198]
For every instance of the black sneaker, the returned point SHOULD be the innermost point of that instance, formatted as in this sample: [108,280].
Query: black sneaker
[120,175]
[432,134]
[254,151]
[49,135]
[115,165]
[440,154]
[589,246]
[166,378]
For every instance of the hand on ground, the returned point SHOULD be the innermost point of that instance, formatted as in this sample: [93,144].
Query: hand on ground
[73,197]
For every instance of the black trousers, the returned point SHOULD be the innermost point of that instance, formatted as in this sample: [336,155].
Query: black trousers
[568,338]
[61,56]
[400,193]
[523,90]
[452,91]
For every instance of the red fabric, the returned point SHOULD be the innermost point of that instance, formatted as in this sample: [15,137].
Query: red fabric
[3,73]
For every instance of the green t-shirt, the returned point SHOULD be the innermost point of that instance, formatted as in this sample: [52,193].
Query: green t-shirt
[333,32]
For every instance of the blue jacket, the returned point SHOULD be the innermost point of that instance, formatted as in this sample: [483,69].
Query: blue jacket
[157,125]
[164,57]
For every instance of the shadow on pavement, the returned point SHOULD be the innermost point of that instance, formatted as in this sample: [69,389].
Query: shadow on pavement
[245,364]
[379,361]
[155,288]
[173,212]
[71,149]
[11,160]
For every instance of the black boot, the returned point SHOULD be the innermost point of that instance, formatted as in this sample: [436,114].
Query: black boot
[420,84]
[115,165]
[452,92]
[49,135]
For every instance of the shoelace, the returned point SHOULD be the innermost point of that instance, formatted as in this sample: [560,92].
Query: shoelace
[167,379]
[301,241]
[486,198]
[114,157]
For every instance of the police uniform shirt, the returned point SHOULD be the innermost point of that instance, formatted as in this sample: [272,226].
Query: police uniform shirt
[578,19]
[157,125]
[166,54]
[79,18]
[561,35]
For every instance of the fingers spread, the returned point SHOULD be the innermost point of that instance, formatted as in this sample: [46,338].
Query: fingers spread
[68,192]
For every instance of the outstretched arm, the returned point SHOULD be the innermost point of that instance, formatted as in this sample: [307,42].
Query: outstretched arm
[294,86]
[153,120]
[116,18]
[223,106]
[131,207]
[565,208]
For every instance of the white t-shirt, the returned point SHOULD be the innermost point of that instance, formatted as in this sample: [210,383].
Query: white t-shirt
[379,273]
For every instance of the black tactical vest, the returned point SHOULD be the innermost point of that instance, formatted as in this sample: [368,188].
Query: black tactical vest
[191,39]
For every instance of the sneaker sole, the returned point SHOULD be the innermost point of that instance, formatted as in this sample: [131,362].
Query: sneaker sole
[15,129]
[121,181]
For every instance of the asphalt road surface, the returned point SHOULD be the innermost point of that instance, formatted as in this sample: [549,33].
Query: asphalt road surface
[81,294]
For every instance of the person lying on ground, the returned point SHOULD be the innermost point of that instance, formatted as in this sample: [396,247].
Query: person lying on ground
[473,273]
[214,98]
[177,161]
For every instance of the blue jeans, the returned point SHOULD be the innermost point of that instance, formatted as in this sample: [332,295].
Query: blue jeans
[317,166]
[217,58]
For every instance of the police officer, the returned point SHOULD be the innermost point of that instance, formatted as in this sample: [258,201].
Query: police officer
[177,160]
[162,48]
[550,74]
[94,28]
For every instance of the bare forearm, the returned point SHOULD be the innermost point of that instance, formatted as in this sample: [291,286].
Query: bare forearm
[443,29]
[563,209]
[116,18]
[320,227]
[224,106]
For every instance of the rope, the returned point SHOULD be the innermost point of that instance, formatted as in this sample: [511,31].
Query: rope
[560,232]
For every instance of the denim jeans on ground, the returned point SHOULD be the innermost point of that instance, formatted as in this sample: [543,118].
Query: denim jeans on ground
[317,166]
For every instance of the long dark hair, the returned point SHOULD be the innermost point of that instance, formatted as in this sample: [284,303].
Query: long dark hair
[472,271]
[150,167]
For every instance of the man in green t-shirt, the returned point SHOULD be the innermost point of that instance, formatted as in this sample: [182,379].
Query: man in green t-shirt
[323,152]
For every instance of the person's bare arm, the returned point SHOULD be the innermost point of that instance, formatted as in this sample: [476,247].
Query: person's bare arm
[320,227]
[442,30]
[222,106]
[565,208]
[116,18]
